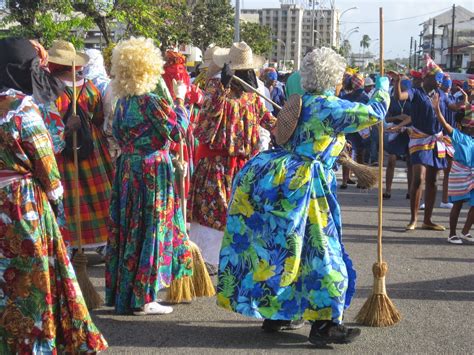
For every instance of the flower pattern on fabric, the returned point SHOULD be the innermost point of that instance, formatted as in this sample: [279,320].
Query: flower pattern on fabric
[228,132]
[42,310]
[95,174]
[282,255]
[148,246]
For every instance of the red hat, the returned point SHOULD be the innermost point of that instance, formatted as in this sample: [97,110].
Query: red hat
[416,74]
[430,68]
[357,81]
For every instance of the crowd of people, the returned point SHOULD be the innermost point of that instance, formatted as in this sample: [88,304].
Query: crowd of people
[257,158]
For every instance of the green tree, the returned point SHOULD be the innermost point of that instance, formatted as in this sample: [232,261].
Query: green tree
[258,37]
[210,22]
[365,43]
[44,20]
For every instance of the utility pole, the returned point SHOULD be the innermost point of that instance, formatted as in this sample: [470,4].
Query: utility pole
[312,23]
[237,21]
[415,59]
[409,56]
[452,39]
[433,40]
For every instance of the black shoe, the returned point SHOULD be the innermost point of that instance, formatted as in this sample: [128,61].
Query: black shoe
[272,326]
[351,182]
[407,196]
[332,334]
[343,186]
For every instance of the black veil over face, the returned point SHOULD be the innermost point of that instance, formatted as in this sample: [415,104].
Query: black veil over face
[249,76]
[20,70]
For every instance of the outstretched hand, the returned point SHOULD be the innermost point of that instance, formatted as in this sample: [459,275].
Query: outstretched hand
[435,101]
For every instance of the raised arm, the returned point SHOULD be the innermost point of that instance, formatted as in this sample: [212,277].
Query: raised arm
[397,88]
[439,114]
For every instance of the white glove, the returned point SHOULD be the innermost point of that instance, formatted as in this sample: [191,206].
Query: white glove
[180,89]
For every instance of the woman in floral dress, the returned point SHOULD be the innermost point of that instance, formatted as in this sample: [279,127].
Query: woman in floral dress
[228,136]
[42,310]
[282,256]
[148,247]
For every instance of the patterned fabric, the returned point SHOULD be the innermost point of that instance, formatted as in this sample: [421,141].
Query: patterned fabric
[95,175]
[227,131]
[461,176]
[55,125]
[282,255]
[42,310]
[420,141]
[148,246]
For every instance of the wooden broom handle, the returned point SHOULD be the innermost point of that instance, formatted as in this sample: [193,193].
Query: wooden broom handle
[77,198]
[255,91]
[381,133]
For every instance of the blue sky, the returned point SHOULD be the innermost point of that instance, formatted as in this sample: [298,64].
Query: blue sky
[397,33]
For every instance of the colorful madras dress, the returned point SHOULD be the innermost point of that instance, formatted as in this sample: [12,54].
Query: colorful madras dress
[148,246]
[282,256]
[42,310]
[426,144]
[228,136]
[95,174]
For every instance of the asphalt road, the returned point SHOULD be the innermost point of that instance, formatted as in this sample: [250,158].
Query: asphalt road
[430,281]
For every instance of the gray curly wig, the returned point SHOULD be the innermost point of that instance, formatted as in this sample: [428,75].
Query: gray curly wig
[322,70]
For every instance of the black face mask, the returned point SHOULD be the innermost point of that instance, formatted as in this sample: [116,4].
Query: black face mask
[20,70]
[249,77]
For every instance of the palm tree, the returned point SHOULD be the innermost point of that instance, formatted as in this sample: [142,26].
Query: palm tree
[365,43]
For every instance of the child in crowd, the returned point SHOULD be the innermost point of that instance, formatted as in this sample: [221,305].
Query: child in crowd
[461,180]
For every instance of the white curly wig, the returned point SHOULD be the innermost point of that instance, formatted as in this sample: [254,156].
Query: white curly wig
[322,70]
[136,67]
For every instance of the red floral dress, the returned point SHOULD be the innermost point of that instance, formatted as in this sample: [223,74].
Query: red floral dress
[227,131]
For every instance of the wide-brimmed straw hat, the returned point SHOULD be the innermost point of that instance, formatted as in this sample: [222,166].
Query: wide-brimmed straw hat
[288,119]
[64,53]
[239,57]
[209,53]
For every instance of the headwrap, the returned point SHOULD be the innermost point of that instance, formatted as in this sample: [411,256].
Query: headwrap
[468,119]
[431,68]
[272,75]
[406,84]
[468,84]
[95,67]
[20,69]
[357,81]
[447,82]
[175,68]
[416,74]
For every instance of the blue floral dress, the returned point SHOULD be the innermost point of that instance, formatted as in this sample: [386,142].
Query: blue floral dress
[282,256]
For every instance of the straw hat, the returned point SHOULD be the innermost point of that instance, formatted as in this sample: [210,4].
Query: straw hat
[209,53]
[64,53]
[288,119]
[239,57]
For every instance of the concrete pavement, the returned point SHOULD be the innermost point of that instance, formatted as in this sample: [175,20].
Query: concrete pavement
[430,281]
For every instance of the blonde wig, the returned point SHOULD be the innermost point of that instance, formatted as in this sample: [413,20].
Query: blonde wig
[322,70]
[136,67]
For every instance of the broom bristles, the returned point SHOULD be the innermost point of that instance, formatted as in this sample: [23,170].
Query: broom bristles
[378,310]
[366,176]
[91,297]
[202,282]
[181,290]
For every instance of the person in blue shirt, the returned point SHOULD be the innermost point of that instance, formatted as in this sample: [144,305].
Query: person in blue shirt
[427,147]
[277,93]
[396,139]
[461,179]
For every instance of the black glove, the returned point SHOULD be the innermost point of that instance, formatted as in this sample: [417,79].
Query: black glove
[226,75]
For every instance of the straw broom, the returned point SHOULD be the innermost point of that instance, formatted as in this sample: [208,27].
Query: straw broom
[79,261]
[379,310]
[366,176]
[200,284]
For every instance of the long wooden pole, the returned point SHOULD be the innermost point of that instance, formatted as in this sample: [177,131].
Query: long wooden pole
[380,211]
[77,198]
[256,91]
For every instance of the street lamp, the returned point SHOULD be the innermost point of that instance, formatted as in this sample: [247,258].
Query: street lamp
[284,55]
[339,19]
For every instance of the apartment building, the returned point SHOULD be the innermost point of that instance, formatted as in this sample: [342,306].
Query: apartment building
[292,25]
